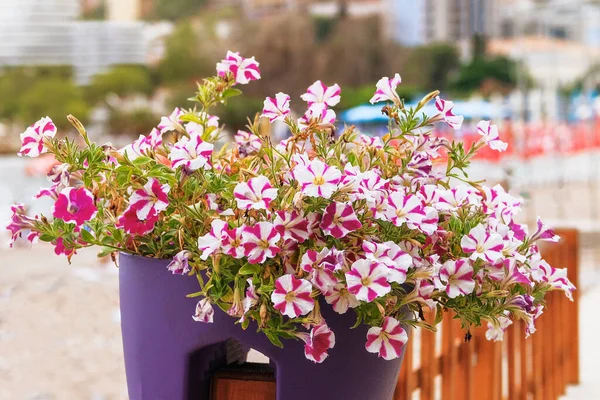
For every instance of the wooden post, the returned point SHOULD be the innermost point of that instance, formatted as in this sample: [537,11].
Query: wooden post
[449,358]
[427,371]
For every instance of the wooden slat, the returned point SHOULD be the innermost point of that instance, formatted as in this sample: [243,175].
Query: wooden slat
[449,359]
[427,370]
[234,389]
[512,350]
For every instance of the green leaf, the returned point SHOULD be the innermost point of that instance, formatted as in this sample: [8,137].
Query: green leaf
[142,161]
[104,251]
[274,338]
[231,93]
[87,236]
[46,237]
[249,269]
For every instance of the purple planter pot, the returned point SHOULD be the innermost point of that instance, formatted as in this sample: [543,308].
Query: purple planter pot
[169,356]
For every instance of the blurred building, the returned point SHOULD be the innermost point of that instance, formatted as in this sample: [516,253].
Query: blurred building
[320,8]
[419,22]
[48,32]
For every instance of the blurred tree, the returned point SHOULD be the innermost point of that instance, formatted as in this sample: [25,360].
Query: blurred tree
[431,67]
[135,122]
[122,80]
[237,111]
[497,72]
[175,9]
[182,61]
[55,97]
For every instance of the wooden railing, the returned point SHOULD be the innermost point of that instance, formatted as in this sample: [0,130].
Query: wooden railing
[442,365]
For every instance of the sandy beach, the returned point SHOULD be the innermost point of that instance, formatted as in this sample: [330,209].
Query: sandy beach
[59,327]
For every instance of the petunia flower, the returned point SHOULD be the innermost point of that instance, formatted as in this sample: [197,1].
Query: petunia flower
[232,243]
[151,199]
[172,122]
[204,311]
[544,233]
[292,296]
[367,280]
[251,298]
[483,244]
[291,225]
[457,276]
[243,70]
[192,153]
[180,264]
[495,331]
[136,149]
[386,90]
[248,143]
[19,222]
[75,205]
[404,208]
[319,93]
[154,139]
[447,114]
[341,299]
[339,220]
[490,135]
[132,224]
[321,271]
[276,108]
[392,256]
[32,140]
[557,278]
[256,194]
[213,240]
[320,340]
[317,113]
[387,340]
[317,179]
[260,242]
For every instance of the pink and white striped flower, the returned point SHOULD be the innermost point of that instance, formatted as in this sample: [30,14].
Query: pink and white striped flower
[154,139]
[204,311]
[341,299]
[181,263]
[192,153]
[495,331]
[292,296]
[317,113]
[446,113]
[248,143]
[136,149]
[251,298]
[386,90]
[133,225]
[32,140]
[457,277]
[367,280]
[370,141]
[260,242]
[256,194]
[483,244]
[194,129]
[404,208]
[452,199]
[75,205]
[490,135]
[232,243]
[556,277]
[212,241]
[543,232]
[321,272]
[317,179]
[339,220]
[151,199]
[388,340]
[291,225]
[320,340]
[243,70]
[276,108]
[172,122]
[392,256]
[319,93]
[20,222]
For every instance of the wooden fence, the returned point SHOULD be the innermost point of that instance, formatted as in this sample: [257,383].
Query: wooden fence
[442,365]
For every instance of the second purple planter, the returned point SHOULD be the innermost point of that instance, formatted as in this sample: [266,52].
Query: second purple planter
[169,356]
